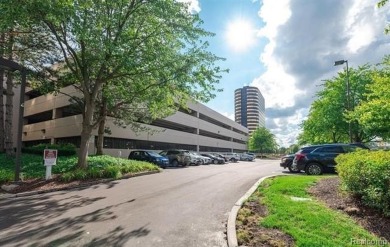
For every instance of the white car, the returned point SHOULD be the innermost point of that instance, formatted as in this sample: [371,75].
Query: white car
[247,156]
[232,157]
[203,160]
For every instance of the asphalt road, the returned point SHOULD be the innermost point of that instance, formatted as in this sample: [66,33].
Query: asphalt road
[178,207]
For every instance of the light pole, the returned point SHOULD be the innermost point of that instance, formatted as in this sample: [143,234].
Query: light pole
[341,62]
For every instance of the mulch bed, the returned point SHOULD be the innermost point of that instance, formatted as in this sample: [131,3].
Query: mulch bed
[327,191]
[42,185]
[259,236]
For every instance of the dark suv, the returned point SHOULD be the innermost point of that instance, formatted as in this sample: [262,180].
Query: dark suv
[287,161]
[321,158]
[177,157]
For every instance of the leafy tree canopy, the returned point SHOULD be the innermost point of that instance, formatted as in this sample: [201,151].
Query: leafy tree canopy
[126,54]
[374,113]
[328,120]
[262,141]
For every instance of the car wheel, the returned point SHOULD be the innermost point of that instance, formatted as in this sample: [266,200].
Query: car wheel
[215,161]
[314,169]
[175,163]
[293,168]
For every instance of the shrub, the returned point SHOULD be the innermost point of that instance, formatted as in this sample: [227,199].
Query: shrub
[366,174]
[6,176]
[66,149]
[105,166]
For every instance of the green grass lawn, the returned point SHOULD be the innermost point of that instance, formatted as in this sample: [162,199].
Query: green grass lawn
[98,167]
[309,222]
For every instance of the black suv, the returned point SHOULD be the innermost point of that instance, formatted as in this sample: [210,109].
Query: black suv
[287,161]
[321,158]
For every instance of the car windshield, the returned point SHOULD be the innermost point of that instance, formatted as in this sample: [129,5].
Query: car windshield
[154,154]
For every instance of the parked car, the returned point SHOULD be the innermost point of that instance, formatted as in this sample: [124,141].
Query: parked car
[177,157]
[286,162]
[196,159]
[247,157]
[322,158]
[292,167]
[215,159]
[232,157]
[149,156]
[204,160]
[221,156]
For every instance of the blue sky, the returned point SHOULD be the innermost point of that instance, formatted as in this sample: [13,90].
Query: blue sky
[243,65]
[291,46]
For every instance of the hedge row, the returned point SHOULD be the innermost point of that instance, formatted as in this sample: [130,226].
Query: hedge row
[66,168]
[108,167]
[366,174]
[63,149]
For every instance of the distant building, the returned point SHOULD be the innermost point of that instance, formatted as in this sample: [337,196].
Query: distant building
[249,107]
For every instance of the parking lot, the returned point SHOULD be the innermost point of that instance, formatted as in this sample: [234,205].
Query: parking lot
[178,207]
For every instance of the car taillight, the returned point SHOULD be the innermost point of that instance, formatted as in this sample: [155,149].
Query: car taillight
[299,156]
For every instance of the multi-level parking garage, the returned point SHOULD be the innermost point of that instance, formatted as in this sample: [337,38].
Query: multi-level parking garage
[52,119]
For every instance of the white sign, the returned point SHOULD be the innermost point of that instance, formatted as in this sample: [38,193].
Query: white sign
[50,158]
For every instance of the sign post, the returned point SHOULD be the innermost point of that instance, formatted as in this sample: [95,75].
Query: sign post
[50,158]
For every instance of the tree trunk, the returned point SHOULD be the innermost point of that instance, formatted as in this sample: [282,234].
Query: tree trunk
[100,140]
[84,146]
[2,133]
[86,132]
[102,125]
[8,143]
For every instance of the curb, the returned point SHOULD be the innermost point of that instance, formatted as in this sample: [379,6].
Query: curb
[30,193]
[231,225]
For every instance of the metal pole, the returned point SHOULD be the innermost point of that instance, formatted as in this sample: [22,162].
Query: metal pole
[20,127]
[349,104]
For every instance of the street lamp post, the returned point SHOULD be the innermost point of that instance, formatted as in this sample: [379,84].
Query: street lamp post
[341,62]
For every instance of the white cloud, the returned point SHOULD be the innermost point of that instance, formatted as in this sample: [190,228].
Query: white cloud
[194,5]
[274,13]
[361,30]
[304,39]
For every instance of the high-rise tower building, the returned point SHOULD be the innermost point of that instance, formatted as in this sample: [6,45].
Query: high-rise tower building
[249,107]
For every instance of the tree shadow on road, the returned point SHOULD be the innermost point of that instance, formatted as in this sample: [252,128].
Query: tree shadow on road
[32,221]
[118,237]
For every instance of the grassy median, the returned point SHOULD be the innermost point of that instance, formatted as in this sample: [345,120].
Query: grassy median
[301,218]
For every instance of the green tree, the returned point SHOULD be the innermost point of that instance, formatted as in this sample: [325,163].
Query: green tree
[262,141]
[293,148]
[121,48]
[380,4]
[21,41]
[374,113]
[328,120]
